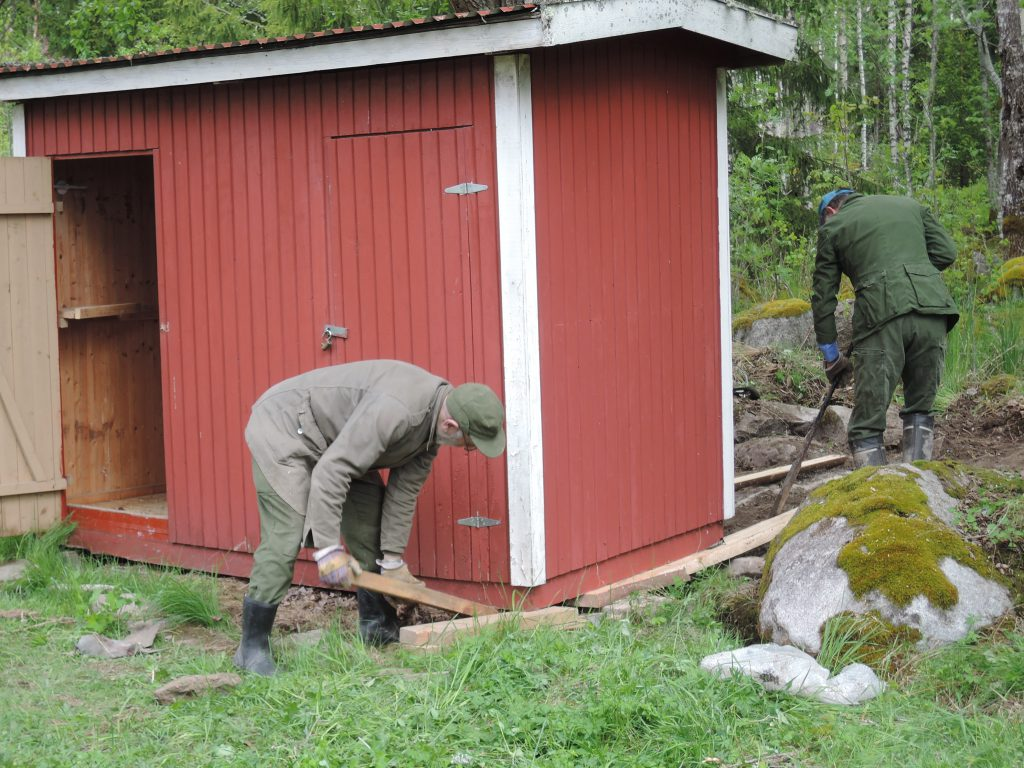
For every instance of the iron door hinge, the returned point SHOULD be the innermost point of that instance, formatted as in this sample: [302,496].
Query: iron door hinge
[478,521]
[466,188]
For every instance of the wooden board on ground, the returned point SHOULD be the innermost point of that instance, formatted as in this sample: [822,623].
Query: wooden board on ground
[777,473]
[417,594]
[444,632]
[731,546]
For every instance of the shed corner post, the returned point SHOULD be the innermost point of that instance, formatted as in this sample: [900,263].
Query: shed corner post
[19,146]
[725,295]
[513,113]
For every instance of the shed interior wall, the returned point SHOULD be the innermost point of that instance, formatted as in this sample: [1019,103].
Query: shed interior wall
[625,152]
[109,348]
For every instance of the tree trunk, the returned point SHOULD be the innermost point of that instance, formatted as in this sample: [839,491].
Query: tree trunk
[892,58]
[844,63]
[929,103]
[863,87]
[1011,121]
[905,128]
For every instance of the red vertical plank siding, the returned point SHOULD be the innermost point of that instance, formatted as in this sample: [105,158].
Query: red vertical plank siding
[248,264]
[628,289]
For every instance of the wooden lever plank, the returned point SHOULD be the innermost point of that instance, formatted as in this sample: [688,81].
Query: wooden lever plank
[405,591]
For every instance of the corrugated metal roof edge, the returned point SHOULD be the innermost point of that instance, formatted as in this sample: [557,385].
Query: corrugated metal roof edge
[505,13]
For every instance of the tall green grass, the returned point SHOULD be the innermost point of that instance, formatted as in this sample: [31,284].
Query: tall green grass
[988,340]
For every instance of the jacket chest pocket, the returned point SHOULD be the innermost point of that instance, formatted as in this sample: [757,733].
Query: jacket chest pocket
[929,289]
[870,306]
[307,428]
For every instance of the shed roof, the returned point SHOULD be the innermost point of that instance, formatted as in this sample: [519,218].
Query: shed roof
[755,37]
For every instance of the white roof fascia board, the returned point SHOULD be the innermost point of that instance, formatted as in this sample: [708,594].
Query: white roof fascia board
[517,235]
[574,22]
[725,298]
[511,35]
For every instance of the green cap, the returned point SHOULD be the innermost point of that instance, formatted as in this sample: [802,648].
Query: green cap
[479,414]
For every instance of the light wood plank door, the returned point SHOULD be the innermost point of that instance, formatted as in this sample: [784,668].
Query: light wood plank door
[30,439]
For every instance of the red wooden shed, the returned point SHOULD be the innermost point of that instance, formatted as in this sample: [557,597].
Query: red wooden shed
[534,198]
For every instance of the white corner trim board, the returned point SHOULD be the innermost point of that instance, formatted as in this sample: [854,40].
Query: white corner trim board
[18,140]
[574,22]
[556,24]
[513,114]
[725,298]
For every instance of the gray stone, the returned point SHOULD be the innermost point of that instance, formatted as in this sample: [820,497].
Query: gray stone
[781,332]
[192,685]
[746,566]
[893,436]
[790,613]
[307,639]
[758,423]
[766,452]
[856,684]
[13,570]
[641,602]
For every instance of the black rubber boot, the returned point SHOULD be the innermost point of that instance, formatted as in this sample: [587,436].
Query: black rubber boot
[253,652]
[869,452]
[918,429]
[378,620]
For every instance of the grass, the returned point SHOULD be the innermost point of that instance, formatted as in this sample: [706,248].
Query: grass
[622,693]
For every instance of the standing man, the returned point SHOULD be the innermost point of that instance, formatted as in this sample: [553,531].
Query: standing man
[317,442]
[892,249]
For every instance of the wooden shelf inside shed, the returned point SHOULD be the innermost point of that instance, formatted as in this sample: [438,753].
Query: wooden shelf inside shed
[90,311]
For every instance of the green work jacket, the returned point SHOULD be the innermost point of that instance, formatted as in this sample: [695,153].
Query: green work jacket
[314,434]
[892,249]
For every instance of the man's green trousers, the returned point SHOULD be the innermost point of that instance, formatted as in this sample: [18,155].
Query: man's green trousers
[281,534]
[911,348]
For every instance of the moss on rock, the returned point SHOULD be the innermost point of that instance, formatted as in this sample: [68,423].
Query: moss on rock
[899,543]
[771,309]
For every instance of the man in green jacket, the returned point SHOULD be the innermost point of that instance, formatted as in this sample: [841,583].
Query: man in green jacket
[317,442]
[892,249]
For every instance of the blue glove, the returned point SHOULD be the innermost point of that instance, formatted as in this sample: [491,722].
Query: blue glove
[830,351]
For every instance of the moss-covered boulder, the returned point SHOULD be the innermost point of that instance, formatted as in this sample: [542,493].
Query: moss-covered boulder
[879,542]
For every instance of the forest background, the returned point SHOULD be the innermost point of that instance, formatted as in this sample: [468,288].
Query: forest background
[916,97]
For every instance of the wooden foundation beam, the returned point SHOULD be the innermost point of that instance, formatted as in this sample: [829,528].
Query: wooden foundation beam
[444,632]
[423,595]
[731,546]
[777,473]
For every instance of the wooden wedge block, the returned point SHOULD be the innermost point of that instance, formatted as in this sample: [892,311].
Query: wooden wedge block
[778,473]
[444,632]
[732,545]
[423,595]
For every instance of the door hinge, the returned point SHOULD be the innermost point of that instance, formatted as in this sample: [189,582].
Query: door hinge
[466,188]
[478,521]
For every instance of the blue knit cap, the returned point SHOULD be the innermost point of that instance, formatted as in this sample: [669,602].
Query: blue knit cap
[829,198]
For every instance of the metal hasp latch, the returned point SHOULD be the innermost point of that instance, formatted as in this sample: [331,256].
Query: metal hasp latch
[332,332]
[477,521]
[466,188]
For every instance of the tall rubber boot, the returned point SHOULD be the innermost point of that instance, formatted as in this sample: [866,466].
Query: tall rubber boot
[253,652]
[869,452]
[378,620]
[918,430]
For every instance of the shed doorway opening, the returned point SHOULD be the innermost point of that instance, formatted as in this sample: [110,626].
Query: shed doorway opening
[109,337]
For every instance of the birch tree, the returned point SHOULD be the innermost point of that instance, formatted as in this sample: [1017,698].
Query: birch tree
[892,60]
[905,127]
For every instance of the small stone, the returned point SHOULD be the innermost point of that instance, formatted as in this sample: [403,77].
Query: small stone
[746,566]
[13,570]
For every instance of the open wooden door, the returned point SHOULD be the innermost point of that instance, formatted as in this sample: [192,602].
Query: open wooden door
[30,436]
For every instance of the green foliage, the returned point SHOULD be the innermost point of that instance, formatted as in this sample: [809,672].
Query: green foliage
[849,638]
[999,519]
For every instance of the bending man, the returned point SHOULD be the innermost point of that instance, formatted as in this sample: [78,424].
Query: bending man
[317,442]
[892,249]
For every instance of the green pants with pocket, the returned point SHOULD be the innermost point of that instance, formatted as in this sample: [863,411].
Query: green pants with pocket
[910,348]
[281,534]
